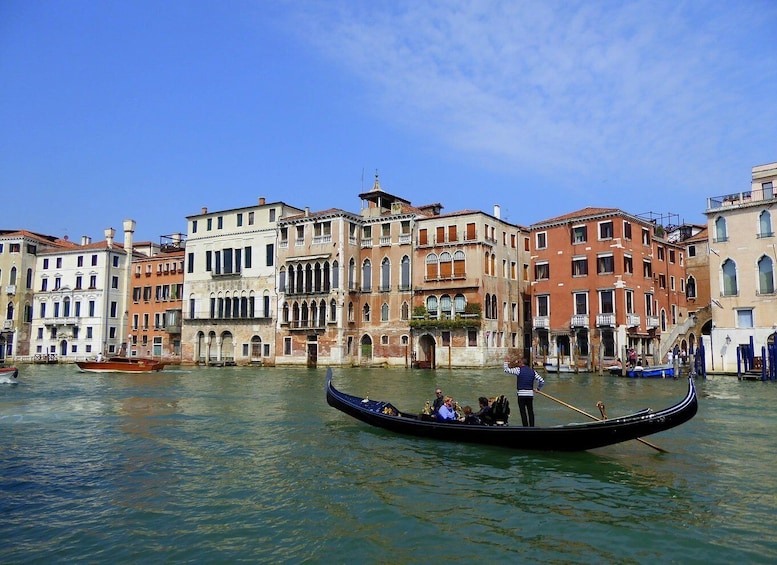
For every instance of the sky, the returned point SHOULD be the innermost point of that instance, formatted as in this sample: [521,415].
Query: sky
[149,110]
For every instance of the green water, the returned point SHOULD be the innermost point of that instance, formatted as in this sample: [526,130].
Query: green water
[251,465]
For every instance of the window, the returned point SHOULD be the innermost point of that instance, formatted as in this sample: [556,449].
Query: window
[432,266]
[607,301]
[628,265]
[59,262]
[581,303]
[220,222]
[239,219]
[543,308]
[287,346]
[471,232]
[472,338]
[366,276]
[660,252]
[721,233]
[765,275]
[690,288]
[366,313]
[114,282]
[647,269]
[431,306]
[422,237]
[579,267]
[729,269]
[745,318]
[459,266]
[445,305]
[190,263]
[630,302]
[768,190]
[579,234]
[384,312]
[605,230]
[542,271]
[645,236]
[691,251]
[404,275]
[385,275]
[251,217]
[542,240]
[765,224]
[626,230]
[94,260]
[270,254]
[605,264]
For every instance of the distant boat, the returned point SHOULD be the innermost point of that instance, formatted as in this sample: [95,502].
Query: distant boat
[551,365]
[659,371]
[121,365]
[8,375]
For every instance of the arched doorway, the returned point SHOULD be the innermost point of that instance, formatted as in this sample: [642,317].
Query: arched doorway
[256,349]
[227,349]
[63,348]
[426,352]
[366,347]
[563,348]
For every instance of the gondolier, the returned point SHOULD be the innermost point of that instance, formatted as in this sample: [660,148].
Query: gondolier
[526,377]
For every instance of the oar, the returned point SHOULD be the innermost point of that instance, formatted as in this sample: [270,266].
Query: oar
[601,408]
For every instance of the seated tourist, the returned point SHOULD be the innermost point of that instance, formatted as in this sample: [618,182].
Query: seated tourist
[484,414]
[469,417]
[446,413]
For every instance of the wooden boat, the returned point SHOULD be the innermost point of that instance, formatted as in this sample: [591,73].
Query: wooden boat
[567,437]
[659,371]
[121,365]
[8,374]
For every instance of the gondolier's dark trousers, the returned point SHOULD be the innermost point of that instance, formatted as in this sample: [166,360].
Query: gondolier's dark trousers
[526,407]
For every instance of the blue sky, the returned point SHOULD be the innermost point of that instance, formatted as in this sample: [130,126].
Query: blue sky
[151,110]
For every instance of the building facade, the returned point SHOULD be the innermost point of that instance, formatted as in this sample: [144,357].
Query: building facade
[741,269]
[604,281]
[470,289]
[81,293]
[18,256]
[230,298]
[155,308]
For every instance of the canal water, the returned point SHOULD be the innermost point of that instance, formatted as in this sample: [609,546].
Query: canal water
[250,465]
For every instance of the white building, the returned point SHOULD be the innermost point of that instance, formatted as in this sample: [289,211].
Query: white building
[230,299]
[80,302]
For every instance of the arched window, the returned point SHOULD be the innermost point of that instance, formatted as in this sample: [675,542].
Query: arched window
[405,311]
[313,314]
[459,303]
[487,312]
[404,276]
[335,274]
[721,233]
[309,276]
[729,278]
[431,306]
[304,317]
[494,305]
[384,312]
[459,265]
[765,275]
[487,264]
[282,280]
[765,224]
[445,305]
[317,278]
[446,265]
[322,314]
[9,311]
[351,274]
[385,274]
[332,311]
[350,311]
[690,288]
[366,275]
[366,313]
[300,279]
[431,266]
[29,279]
[327,276]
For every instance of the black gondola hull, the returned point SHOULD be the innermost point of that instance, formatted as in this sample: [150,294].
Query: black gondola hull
[569,437]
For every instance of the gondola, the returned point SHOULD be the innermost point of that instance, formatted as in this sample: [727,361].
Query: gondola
[567,437]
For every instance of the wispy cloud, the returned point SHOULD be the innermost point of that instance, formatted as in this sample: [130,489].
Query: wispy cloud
[574,86]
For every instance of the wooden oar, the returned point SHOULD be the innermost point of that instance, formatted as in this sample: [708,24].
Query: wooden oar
[601,408]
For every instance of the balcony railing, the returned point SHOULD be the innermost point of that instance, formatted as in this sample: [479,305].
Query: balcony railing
[579,321]
[632,320]
[10,289]
[541,322]
[605,320]
[651,322]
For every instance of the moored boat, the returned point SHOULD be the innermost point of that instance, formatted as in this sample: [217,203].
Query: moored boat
[567,437]
[121,365]
[659,371]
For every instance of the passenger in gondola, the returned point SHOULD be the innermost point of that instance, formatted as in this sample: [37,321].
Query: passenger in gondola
[469,417]
[438,401]
[446,413]
[484,413]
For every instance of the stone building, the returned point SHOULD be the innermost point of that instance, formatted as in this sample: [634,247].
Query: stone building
[230,299]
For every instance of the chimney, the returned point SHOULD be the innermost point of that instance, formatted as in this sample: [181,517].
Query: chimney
[129,230]
[177,239]
[85,240]
[204,210]
[497,211]
[307,211]
[109,234]
[261,201]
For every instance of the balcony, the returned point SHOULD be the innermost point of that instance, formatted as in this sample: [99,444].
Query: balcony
[297,325]
[10,289]
[738,199]
[7,325]
[632,320]
[651,322]
[541,322]
[605,320]
[579,321]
